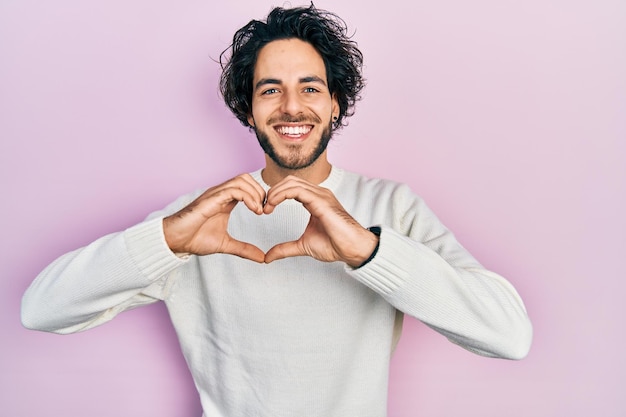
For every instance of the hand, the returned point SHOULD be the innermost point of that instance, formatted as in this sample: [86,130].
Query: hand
[201,227]
[331,235]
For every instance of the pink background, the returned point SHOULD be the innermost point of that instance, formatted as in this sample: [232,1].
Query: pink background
[509,118]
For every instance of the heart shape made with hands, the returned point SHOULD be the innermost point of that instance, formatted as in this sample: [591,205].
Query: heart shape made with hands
[330,235]
[315,241]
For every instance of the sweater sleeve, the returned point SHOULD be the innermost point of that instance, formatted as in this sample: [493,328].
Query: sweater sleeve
[423,271]
[91,285]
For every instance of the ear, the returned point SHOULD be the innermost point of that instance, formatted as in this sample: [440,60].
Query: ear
[335,106]
[250,120]
[335,110]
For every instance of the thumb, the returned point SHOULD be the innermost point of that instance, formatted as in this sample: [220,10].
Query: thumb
[245,250]
[283,250]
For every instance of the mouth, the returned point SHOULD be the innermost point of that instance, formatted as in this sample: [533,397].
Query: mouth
[293,131]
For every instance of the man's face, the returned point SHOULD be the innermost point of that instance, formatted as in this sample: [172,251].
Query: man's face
[292,108]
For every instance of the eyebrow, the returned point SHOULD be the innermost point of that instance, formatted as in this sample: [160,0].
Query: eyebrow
[303,80]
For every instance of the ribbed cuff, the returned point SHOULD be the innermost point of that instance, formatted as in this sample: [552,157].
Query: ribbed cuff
[384,273]
[148,249]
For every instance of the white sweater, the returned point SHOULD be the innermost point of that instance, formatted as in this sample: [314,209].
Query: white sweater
[296,337]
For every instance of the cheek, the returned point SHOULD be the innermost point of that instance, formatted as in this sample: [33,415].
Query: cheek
[257,115]
[259,112]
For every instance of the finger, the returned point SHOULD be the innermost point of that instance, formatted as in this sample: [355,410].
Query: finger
[253,203]
[222,199]
[283,250]
[242,188]
[304,193]
[289,182]
[244,250]
[258,189]
[254,194]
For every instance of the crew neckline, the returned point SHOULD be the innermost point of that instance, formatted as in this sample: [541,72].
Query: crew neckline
[331,182]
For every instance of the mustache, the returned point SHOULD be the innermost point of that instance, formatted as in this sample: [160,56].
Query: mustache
[301,118]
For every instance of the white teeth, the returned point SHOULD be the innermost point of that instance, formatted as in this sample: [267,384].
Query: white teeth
[294,130]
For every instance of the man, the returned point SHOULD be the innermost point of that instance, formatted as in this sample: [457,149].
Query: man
[287,286]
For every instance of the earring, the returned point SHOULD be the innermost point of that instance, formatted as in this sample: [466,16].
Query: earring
[335,118]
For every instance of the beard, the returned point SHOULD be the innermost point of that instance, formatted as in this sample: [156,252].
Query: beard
[296,158]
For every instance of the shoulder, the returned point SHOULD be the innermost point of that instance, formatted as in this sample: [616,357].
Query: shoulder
[176,205]
[352,182]
[184,200]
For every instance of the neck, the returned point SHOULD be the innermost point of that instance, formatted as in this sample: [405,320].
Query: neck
[315,173]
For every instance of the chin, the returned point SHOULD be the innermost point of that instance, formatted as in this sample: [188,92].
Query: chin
[295,160]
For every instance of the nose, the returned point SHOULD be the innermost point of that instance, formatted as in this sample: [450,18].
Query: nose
[291,103]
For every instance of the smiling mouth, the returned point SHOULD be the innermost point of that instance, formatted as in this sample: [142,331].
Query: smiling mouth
[294,131]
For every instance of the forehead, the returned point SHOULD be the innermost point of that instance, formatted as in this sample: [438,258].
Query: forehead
[287,58]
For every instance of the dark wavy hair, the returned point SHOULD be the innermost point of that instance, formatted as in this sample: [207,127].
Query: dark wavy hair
[324,30]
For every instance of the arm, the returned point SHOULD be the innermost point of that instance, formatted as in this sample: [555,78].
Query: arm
[423,271]
[91,285]
[419,267]
[473,307]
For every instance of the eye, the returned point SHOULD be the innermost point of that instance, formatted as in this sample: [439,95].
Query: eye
[310,90]
[269,91]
